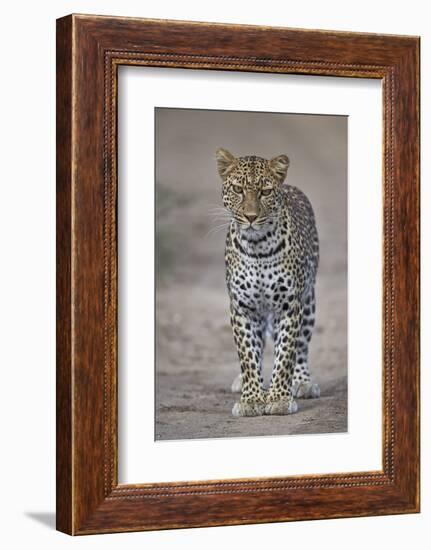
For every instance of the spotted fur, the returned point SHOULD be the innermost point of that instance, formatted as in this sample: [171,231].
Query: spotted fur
[272,255]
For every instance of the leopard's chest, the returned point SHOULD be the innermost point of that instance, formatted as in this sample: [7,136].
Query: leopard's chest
[261,285]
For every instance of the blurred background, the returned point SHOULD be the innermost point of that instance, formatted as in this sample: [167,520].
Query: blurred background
[196,359]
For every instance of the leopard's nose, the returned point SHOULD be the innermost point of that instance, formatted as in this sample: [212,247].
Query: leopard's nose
[251,217]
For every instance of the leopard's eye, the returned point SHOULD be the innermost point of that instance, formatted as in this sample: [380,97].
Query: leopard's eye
[237,189]
[266,192]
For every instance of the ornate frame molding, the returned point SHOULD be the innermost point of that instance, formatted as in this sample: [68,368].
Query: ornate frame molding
[89,498]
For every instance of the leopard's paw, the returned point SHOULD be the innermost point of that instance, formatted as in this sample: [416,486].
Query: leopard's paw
[254,408]
[306,390]
[281,407]
[237,384]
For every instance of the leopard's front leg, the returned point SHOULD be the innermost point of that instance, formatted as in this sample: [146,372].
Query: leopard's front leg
[248,335]
[286,331]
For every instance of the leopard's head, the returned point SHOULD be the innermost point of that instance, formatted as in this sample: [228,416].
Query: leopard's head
[252,187]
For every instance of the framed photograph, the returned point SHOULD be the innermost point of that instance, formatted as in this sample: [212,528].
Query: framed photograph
[237,274]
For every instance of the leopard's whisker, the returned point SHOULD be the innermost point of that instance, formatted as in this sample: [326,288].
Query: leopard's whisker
[221,215]
[216,229]
[219,209]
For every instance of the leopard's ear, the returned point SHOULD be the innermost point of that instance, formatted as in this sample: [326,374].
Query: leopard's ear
[278,166]
[225,162]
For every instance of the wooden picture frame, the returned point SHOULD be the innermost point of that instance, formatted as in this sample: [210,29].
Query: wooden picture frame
[89,51]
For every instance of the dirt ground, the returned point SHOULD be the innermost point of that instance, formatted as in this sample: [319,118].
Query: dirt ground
[196,360]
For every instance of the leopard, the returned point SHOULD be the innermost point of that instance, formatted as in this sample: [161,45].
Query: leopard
[271,262]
